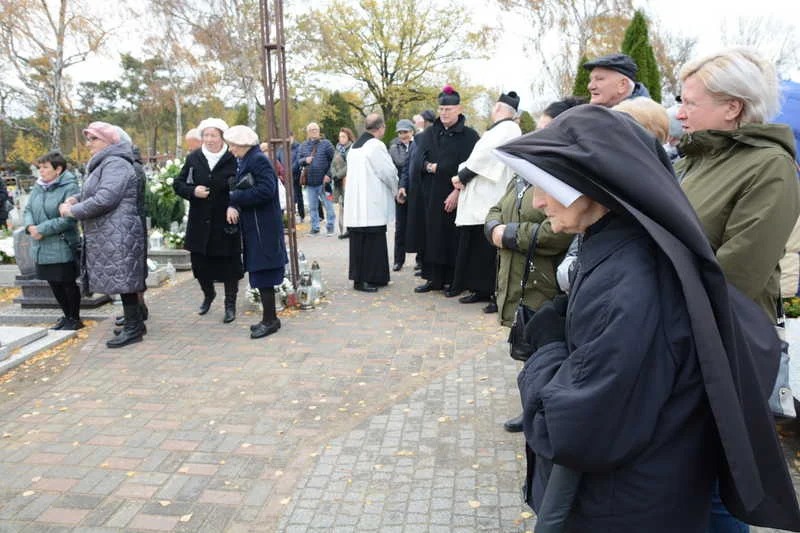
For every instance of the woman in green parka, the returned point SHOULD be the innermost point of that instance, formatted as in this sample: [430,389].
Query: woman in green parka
[55,238]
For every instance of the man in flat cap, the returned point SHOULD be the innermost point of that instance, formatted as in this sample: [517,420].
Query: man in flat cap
[482,180]
[445,146]
[399,149]
[612,79]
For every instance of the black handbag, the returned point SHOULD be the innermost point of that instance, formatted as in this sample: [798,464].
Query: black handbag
[520,348]
[245,182]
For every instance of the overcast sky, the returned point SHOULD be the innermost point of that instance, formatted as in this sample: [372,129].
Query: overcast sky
[510,68]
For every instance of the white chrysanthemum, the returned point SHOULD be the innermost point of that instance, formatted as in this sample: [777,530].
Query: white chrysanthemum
[153,189]
[169,181]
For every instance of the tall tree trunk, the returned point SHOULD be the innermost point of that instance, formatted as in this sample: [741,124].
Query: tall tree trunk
[54,104]
[251,109]
[178,126]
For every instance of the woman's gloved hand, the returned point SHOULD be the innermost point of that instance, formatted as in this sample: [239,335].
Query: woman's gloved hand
[548,323]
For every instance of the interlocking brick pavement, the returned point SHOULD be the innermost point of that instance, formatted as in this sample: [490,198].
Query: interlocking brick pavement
[373,412]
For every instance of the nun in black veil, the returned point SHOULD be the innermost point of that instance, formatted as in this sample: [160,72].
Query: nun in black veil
[652,380]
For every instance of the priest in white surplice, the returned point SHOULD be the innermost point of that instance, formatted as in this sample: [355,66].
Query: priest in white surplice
[371,188]
[482,179]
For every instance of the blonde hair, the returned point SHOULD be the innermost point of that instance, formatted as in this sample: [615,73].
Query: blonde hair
[742,74]
[651,115]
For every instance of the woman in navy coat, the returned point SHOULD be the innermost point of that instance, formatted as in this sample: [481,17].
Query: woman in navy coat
[652,379]
[255,205]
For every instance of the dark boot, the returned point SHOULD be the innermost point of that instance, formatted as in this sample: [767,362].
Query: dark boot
[119,320]
[133,329]
[117,331]
[270,323]
[231,288]
[208,296]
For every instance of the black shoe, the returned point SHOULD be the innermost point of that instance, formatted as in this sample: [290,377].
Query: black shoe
[72,324]
[426,287]
[363,286]
[490,308]
[206,305]
[473,298]
[452,293]
[145,311]
[513,425]
[60,323]
[345,235]
[262,330]
[133,330]
[119,321]
[418,273]
[397,266]
[117,331]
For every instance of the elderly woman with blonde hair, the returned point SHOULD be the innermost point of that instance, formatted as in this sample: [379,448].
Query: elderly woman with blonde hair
[650,114]
[739,174]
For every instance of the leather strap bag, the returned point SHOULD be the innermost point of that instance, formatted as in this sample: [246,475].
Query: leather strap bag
[304,172]
[520,349]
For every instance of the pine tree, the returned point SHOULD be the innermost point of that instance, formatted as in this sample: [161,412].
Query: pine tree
[337,116]
[581,87]
[526,122]
[637,45]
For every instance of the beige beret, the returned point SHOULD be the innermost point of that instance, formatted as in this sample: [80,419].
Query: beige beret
[241,135]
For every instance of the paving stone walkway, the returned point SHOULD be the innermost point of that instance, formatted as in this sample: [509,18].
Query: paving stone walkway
[370,413]
[374,412]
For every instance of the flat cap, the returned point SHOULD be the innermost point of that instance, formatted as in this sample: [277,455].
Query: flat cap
[404,125]
[428,115]
[240,135]
[622,63]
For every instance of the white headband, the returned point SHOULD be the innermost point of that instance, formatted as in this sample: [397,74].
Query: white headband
[538,177]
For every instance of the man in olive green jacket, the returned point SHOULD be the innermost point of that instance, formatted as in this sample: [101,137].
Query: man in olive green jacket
[743,185]
[509,226]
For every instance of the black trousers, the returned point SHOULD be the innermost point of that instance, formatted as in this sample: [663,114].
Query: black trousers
[401,220]
[298,198]
[68,296]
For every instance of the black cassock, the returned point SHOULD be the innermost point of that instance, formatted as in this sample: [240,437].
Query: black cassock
[447,147]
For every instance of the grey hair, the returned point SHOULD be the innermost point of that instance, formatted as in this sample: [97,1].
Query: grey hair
[631,86]
[373,122]
[742,74]
[510,111]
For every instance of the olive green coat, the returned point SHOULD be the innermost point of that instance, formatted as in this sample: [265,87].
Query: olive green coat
[59,234]
[521,220]
[743,186]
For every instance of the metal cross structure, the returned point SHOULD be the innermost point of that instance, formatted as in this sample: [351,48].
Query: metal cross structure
[273,66]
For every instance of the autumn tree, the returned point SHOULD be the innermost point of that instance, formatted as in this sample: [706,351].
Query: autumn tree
[636,44]
[43,39]
[392,49]
[672,52]
[588,29]
[778,41]
[227,32]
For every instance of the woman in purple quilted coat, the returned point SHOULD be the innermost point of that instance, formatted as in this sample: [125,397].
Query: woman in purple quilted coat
[112,226]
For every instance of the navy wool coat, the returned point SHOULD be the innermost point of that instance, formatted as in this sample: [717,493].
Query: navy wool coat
[259,214]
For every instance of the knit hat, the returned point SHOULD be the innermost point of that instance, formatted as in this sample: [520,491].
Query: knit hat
[622,63]
[404,125]
[240,135]
[212,122]
[449,96]
[428,116]
[511,99]
[102,130]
